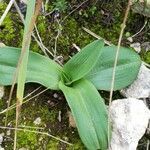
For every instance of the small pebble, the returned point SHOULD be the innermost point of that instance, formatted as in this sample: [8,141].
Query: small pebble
[136,46]
[1,148]
[146,46]
[66,138]
[37,121]
[2,44]
[60,98]
[23,1]
[23,148]
[55,95]
[8,132]
[71,120]
[130,39]
[140,88]
[1,91]
[1,138]
[40,139]
[59,116]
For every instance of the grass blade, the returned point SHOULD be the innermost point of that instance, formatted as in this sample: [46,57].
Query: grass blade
[29,25]
[33,9]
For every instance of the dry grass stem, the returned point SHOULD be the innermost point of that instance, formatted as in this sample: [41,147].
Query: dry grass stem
[37,132]
[116,59]
[25,101]
[6,11]
[96,36]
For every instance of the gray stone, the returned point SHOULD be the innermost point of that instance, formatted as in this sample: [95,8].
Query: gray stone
[1,91]
[1,138]
[146,46]
[1,148]
[37,121]
[141,86]
[129,119]
[136,46]
[55,95]
[23,148]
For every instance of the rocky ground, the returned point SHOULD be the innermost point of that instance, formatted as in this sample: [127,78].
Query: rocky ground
[49,112]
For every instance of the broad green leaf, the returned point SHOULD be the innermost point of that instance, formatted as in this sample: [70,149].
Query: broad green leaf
[40,69]
[126,71]
[22,69]
[89,113]
[83,62]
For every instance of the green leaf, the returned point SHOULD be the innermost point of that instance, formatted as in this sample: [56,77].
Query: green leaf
[89,113]
[22,68]
[83,62]
[40,69]
[126,71]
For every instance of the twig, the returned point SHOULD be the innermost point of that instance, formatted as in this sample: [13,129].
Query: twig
[106,42]
[147,146]
[76,47]
[45,6]
[40,40]
[15,105]
[146,64]
[6,11]
[140,29]
[32,92]
[74,10]
[116,59]
[30,127]
[10,94]
[19,12]
[37,132]
[41,45]
[23,59]
[56,39]
[96,36]
[148,141]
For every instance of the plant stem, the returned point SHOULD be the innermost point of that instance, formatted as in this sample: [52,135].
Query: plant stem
[31,16]
[6,11]
[37,132]
[115,63]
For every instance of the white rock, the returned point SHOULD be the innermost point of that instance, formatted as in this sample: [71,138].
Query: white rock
[2,44]
[146,46]
[130,39]
[136,46]
[141,86]
[72,122]
[8,132]
[1,138]
[59,116]
[37,121]
[1,91]
[55,95]
[23,148]
[142,1]
[1,148]
[130,119]
[24,1]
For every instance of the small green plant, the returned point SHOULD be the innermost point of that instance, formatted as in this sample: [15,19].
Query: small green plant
[79,79]
[60,5]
